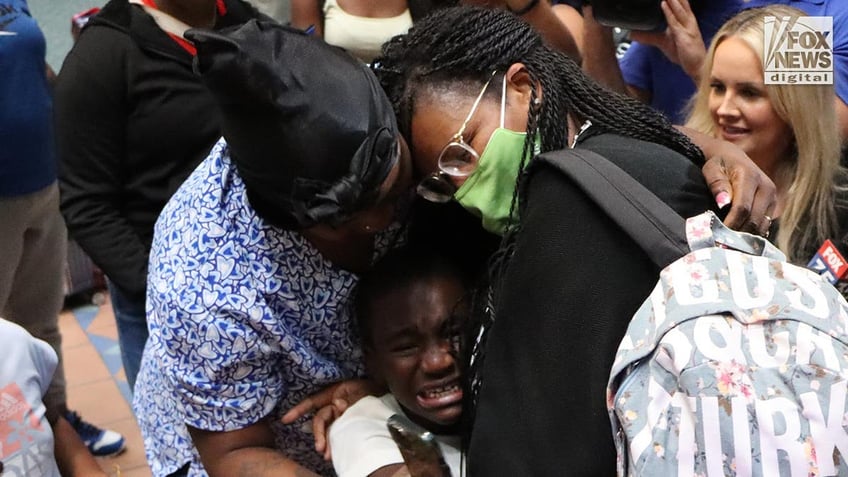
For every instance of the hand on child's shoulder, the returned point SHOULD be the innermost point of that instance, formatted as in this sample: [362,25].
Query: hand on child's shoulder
[328,405]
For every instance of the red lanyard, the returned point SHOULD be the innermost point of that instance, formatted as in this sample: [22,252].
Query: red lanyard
[185,44]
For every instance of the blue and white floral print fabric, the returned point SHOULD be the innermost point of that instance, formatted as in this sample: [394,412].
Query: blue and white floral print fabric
[245,320]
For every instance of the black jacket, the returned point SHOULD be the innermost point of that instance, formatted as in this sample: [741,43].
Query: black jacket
[132,121]
[569,292]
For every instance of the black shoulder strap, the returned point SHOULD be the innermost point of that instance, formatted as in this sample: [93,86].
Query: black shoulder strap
[655,226]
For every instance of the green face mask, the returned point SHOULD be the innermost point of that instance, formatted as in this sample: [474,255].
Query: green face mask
[488,191]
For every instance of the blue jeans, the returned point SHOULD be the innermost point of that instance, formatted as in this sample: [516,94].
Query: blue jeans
[132,330]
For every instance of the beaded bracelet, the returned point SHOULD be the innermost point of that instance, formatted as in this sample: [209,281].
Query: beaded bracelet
[526,8]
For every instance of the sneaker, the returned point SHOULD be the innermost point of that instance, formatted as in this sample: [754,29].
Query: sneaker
[101,442]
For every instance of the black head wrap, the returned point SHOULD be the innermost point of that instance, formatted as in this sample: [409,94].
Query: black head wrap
[310,130]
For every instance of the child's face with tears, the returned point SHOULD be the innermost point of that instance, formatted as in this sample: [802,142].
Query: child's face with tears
[415,334]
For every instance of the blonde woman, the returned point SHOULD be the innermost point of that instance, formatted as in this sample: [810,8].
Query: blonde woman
[790,132]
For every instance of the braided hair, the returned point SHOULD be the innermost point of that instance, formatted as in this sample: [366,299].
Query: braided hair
[457,49]
[461,46]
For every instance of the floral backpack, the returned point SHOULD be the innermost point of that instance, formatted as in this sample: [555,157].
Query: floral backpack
[737,363]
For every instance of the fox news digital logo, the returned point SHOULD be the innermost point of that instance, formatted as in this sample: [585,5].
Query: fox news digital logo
[798,51]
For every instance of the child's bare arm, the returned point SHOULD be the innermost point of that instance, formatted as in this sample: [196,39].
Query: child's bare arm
[72,456]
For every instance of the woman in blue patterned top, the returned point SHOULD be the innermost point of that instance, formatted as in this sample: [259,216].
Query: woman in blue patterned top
[255,257]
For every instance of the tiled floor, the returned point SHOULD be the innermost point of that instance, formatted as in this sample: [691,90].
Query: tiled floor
[97,387]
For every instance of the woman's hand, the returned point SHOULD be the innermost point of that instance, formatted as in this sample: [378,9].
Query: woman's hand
[327,405]
[681,41]
[734,179]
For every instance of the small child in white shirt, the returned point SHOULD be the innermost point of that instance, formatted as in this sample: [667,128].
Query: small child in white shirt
[410,309]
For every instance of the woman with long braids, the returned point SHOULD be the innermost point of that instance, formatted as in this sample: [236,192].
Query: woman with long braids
[476,93]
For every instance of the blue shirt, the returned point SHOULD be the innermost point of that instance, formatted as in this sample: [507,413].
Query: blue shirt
[838,9]
[245,321]
[27,155]
[647,68]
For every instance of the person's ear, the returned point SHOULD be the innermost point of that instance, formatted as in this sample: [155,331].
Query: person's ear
[519,85]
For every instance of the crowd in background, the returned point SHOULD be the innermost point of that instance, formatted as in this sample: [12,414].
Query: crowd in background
[304,227]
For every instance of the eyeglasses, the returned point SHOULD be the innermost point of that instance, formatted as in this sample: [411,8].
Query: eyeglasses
[457,160]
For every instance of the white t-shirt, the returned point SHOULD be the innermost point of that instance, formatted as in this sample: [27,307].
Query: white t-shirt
[26,368]
[360,441]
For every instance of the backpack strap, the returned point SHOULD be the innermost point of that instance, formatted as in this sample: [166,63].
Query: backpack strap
[656,227]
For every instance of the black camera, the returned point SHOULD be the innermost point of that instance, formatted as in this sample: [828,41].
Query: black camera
[629,14]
